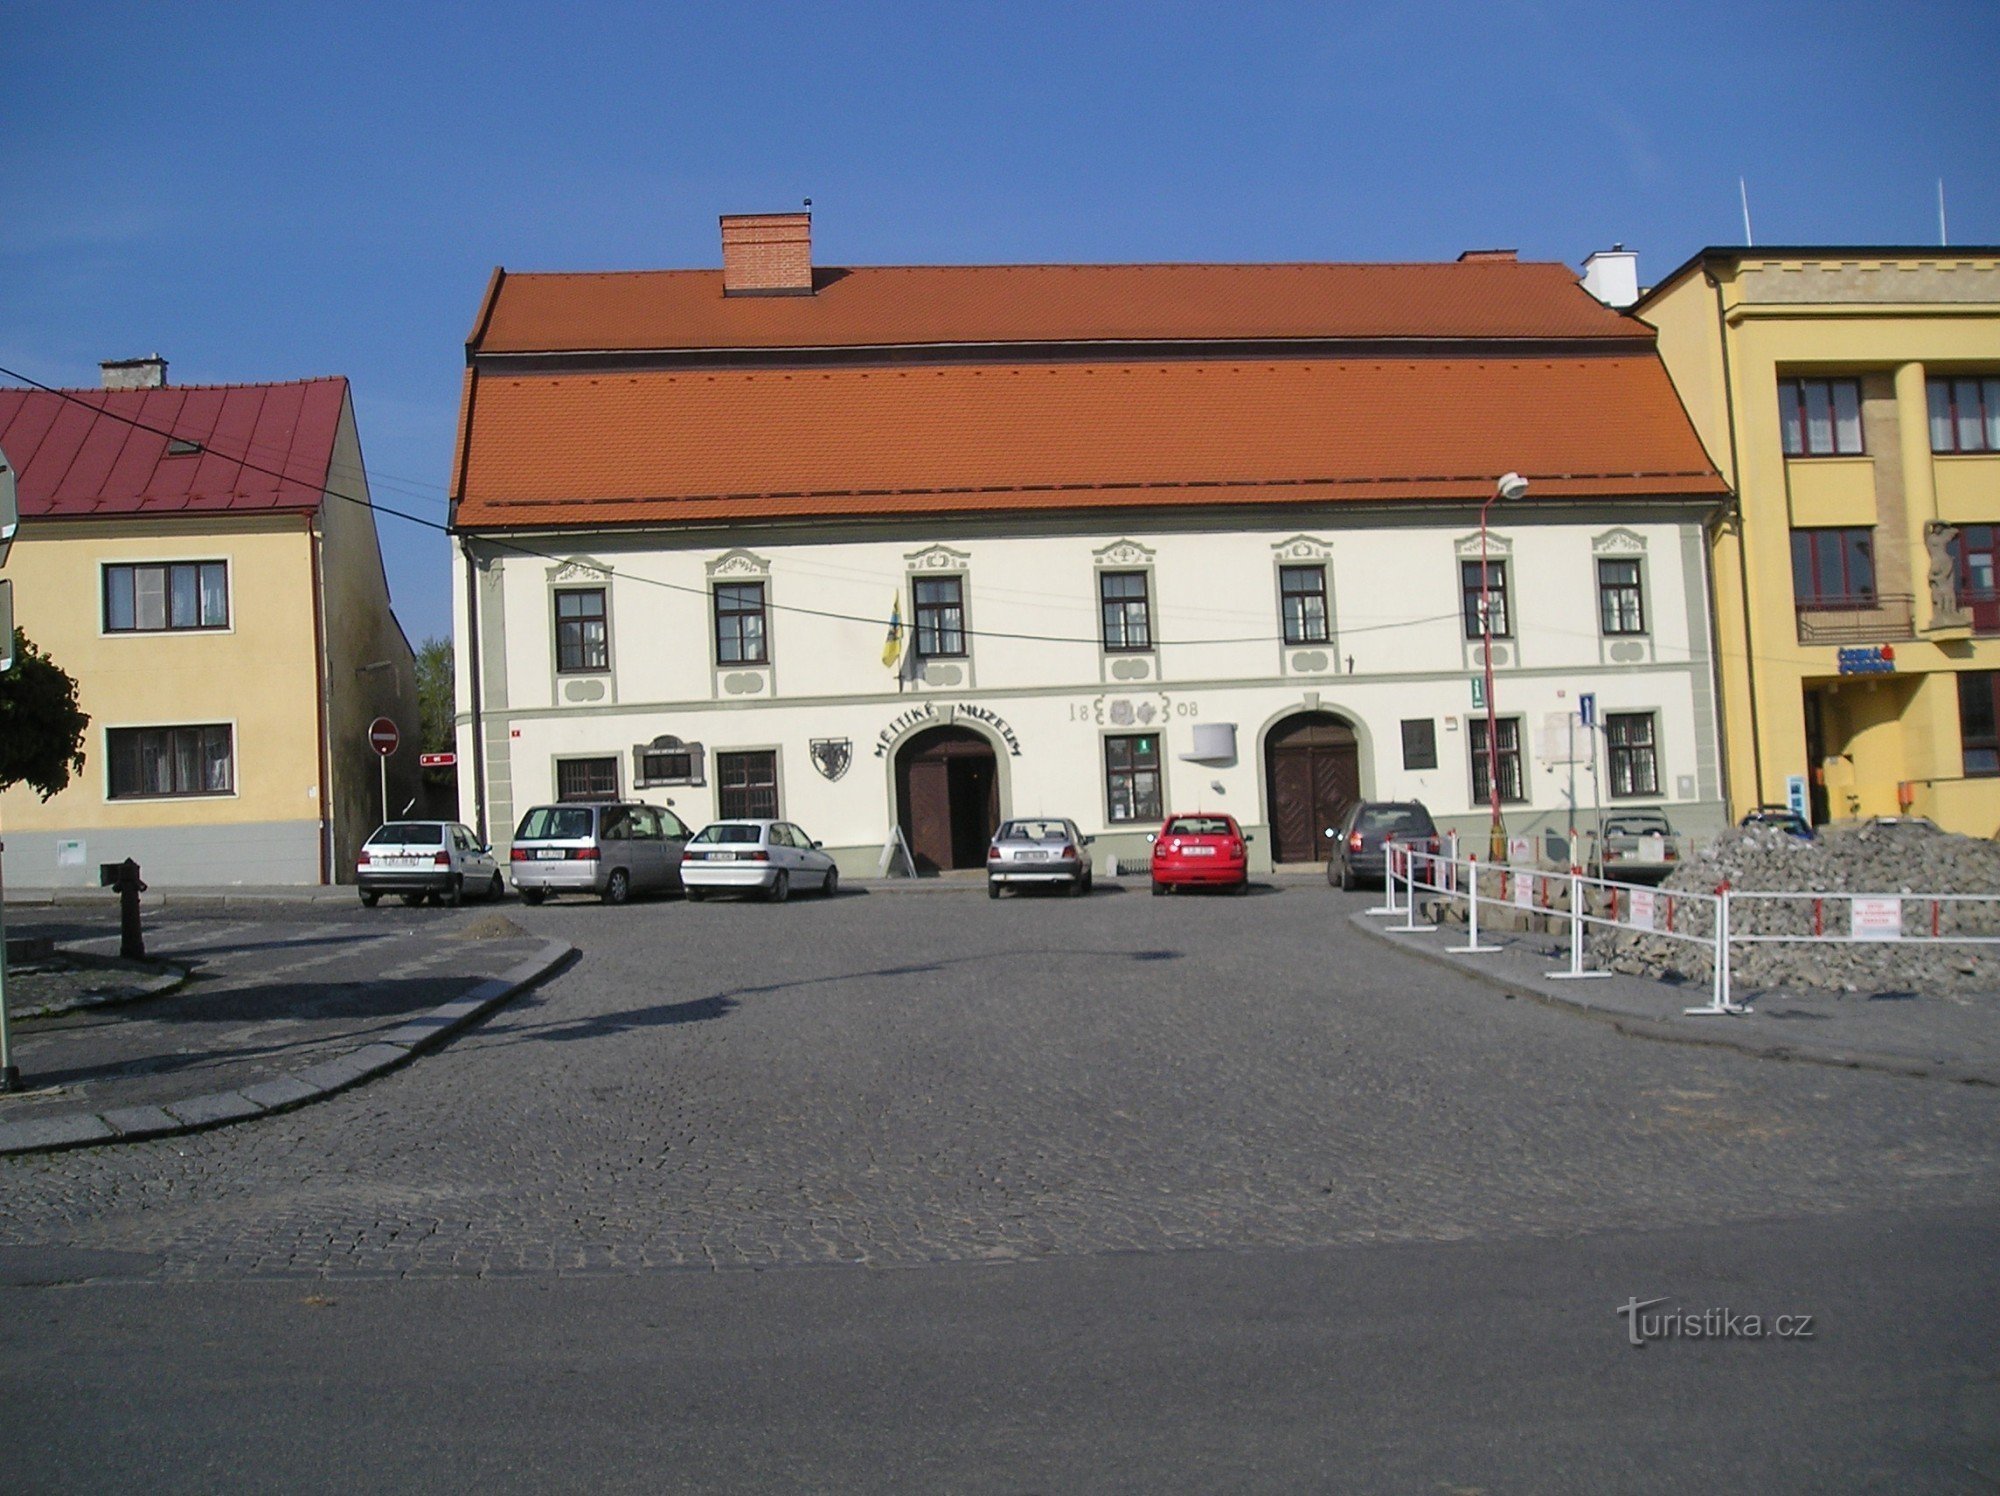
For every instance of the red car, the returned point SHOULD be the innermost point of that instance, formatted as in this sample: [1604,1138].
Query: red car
[1201,851]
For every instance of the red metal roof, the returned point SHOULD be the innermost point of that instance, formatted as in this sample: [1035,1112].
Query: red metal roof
[958,304]
[261,448]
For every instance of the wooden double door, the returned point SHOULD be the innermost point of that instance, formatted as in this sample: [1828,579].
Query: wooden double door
[1312,774]
[947,797]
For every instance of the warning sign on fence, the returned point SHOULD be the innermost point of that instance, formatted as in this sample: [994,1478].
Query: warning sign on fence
[1875,919]
[1642,908]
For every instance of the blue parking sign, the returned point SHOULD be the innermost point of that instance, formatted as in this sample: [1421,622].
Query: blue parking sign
[1586,708]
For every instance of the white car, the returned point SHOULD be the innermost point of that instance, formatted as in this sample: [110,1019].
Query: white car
[763,857]
[439,860]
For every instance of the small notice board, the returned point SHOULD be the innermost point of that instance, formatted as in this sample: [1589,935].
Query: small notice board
[894,847]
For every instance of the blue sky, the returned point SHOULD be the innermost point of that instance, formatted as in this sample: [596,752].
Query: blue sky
[275,191]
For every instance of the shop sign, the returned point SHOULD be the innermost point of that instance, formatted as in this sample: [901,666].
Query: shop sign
[1874,659]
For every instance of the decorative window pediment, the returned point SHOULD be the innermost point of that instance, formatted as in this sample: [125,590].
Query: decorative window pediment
[1304,548]
[584,569]
[938,558]
[1124,553]
[738,563]
[1618,542]
[1467,546]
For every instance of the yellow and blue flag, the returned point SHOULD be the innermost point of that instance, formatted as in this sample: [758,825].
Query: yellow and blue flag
[892,647]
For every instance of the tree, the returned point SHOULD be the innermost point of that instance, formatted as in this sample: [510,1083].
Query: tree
[436,698]
[41,728]
[437,732]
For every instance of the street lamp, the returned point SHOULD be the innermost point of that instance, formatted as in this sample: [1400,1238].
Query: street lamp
[1511,486]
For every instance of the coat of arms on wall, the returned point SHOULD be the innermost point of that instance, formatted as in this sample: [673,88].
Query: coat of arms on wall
[831,756]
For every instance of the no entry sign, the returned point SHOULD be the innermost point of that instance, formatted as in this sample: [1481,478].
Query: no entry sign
[383,737]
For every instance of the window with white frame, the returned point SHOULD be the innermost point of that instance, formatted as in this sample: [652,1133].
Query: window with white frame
[157,596]
[1487,596]
[1507,749]
[161,762]
[1621,598]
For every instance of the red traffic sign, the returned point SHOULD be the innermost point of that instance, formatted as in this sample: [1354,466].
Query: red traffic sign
[437,760]
[383,737]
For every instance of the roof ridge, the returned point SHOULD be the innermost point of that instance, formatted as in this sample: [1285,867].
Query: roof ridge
[249,384]
[715,270]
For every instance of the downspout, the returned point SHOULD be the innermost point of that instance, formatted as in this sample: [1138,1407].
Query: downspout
[472,666]
[319,703]
[1742,552]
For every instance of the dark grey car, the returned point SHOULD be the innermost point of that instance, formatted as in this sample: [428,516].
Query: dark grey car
[1367,828]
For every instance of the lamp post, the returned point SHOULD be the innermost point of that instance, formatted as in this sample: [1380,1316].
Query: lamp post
[1511,486]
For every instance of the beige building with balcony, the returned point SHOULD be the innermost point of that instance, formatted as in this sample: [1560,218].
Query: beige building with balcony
[1851,396]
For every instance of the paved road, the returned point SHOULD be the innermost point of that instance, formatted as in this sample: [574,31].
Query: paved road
[1163,1092]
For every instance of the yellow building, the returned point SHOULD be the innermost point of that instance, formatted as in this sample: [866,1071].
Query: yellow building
[192,558]
[1852,399]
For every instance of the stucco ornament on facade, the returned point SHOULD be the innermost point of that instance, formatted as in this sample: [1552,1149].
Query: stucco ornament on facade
[738,563]
[1304,548]
[580,569]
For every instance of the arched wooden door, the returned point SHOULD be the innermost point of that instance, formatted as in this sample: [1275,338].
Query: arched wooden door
[1312,767]
[947,797]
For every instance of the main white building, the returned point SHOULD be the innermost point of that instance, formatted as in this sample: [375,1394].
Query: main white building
[1151,538]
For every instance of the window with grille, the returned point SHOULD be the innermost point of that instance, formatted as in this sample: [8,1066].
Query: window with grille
[583,637]
[154,762]
[587,779]
[1621,602]
[940,616]
[740,636]
[1492,596]
[1634,761]
[169,595]
[1821,417]
[1128,623]
[1302,597]
[1965,414]
[747,786]
[1132,777]
[1507,746]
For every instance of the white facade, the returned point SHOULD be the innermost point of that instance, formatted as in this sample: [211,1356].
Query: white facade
[1037,683]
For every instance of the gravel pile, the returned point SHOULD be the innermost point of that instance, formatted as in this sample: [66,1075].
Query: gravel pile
[1872,857]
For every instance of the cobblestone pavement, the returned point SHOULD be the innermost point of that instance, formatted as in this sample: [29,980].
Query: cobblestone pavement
[268,994]
[902,1078]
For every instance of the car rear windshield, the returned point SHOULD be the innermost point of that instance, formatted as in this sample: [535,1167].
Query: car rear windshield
[555,823]
[1637,826]
[1395,818]
[722,831]
[1034,831]
[1200,826]
[409,834]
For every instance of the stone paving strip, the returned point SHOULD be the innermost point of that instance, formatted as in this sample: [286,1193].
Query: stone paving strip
[385,1052]
[1940,1037]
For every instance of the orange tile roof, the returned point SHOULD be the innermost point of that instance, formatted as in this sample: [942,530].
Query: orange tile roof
[704,445]
[959,304]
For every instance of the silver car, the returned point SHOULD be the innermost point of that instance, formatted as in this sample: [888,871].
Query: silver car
[1046,850]
[437,860]
[613,851]
[768,858]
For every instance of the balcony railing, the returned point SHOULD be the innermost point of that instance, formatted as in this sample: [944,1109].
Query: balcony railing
[1858,620]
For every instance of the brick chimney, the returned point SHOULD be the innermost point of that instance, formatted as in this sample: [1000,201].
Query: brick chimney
[148,373]
[1509,255]
[767,254]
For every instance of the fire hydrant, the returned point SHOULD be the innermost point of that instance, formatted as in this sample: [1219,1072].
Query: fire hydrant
[124,876]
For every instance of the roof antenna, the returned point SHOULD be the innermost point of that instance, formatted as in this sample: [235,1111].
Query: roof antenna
[1743,191]
[1943,241]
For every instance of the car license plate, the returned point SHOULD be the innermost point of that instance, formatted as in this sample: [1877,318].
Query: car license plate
[721,856]
[1200,851]
[550,854]
[1031,857]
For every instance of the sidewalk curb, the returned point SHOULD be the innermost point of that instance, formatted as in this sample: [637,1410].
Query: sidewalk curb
[168,978]
[1669,1032]
[386,1052]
